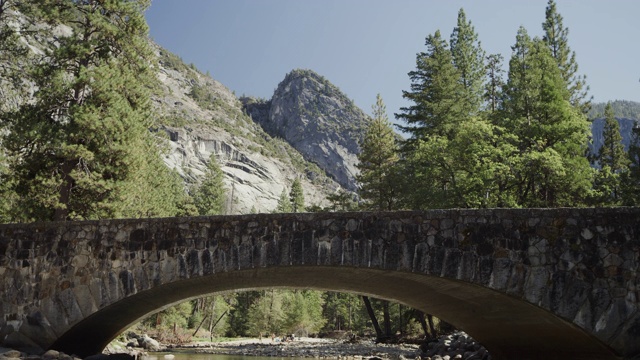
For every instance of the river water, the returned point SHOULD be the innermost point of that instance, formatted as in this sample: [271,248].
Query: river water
[194,356]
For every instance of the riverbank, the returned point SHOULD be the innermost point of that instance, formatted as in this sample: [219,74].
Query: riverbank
[305,347]
[457,345]
[454,346]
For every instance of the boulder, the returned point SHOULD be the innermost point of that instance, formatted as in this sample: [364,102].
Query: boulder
[148,343]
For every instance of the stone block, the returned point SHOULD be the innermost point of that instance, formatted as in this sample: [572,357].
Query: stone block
[536,285]
[85,299]
[613,319]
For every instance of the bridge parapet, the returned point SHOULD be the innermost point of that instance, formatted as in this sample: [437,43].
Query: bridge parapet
[501,274]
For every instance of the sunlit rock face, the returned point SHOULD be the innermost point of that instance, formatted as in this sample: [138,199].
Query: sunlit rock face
[318,120]
[199,117]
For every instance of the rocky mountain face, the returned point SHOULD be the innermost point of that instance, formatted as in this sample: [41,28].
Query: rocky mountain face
[317,119]
[200,117]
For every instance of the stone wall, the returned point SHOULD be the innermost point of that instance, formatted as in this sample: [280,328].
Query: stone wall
[526,283]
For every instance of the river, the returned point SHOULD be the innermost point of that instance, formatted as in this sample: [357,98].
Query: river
[194,356]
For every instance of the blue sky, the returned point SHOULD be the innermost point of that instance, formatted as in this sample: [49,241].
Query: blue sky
[367,47]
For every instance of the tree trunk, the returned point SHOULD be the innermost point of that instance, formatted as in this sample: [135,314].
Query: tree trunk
[423,323]
[372,315]
[431,327]
[387,318]
[62,210]
[201,322]
[213,308]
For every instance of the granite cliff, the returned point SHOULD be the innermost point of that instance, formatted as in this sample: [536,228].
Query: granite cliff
[317,119]
[200,117]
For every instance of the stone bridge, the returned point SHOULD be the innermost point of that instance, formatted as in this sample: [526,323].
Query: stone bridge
[527,284]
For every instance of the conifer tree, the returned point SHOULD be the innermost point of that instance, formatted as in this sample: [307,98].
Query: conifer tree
[14,54]
[340,201]
[613,161]
[494,83]
[453,159]
[468,58]
[266,314]
[209,197]
[435,94]
[631,179]
[284,204]
[612,152]
[80,149]
[556,37]
[549,133]
[296,197]
[378,160]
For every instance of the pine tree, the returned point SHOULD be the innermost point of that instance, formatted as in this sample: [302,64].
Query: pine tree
[378,160]
[185,205]
[549,133]
[494,83]
[266,314]
[631,179]
[303,312]
[556,38]
[613,162]
[80,149]
[209,197]
[435,93]
[471,169]
[340,201]
[468,59]
[284,204]
[296,197]
[13,53]
[612,153]
[453,159]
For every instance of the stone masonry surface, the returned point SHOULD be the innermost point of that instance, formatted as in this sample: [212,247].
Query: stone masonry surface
[498,270]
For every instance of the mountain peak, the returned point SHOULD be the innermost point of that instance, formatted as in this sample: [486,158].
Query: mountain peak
[317,119]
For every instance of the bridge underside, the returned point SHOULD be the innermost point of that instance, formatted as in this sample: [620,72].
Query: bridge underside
[509,328]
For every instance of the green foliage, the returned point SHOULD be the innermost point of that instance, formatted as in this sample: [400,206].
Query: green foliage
[171,61]
[14,55]
[435,93]
[266,314]
[613,162]
[468,59]
[378,160]
[452,159]
[345,312]
[631,179]
[550,134]
[80,149]
[239,324]
[494,83]
[284,204]
[340,201]
[8,196]
[209,196]
[174,316]
[296,197]
[304,312]
[526,149]
[471,169]
[205,97]
[279,312]
[556,39]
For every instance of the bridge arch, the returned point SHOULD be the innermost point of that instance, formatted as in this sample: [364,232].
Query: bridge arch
[527,284]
